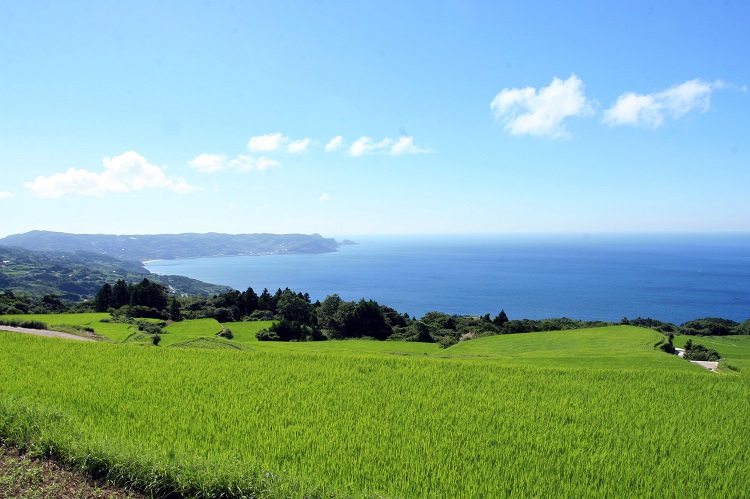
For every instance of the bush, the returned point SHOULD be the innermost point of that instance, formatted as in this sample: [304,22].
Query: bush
[264,335]
[447,341]
[710,326]
[150,327]
[139,311]
[260,315]
[700,352]
[33,324]
[667,344]
[26,324]
[657,325]
[225,333]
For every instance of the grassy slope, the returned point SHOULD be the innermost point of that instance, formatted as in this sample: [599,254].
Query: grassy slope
[735,349]
[244,332]
[606,347]
[489,421]
[190,330]
[115,332]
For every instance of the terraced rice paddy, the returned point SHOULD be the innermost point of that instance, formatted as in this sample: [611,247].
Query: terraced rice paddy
[596,413]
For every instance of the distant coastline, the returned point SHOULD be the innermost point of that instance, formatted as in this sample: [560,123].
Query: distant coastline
[672,277]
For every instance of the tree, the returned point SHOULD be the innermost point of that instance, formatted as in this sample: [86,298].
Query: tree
[120,294]
[265,301]
[289,330]
[251,301]
[421,332]
[175,313]
[149,294]
[327,313]
[710,326]
[52,303]
[367,320]
[295,308]
[103,299]
[500,319]
[699,352]
[394,318]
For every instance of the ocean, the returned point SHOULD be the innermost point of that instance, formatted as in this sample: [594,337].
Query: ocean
[674,278]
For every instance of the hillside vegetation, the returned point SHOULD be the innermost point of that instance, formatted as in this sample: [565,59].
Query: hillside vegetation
[140,247]
[76,276]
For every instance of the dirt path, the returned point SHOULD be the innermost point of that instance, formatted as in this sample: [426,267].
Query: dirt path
[45,332]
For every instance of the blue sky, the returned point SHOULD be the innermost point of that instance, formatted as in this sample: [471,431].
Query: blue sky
[348,118]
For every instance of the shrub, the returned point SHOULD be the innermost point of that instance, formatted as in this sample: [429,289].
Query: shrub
[667,344]
[264,335]
[700,352]
[447,341]
[150,327]
[260,315]
[710,326]
[31,324]
[225,333]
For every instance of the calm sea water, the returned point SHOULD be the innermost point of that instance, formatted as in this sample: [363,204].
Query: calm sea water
[673,278]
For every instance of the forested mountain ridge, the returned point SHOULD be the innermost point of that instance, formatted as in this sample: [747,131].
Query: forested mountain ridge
[77,276]
[171,246]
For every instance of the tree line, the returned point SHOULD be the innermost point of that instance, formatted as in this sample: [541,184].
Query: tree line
[297,318]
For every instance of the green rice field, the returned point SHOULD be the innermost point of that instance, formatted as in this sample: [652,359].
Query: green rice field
[584,413]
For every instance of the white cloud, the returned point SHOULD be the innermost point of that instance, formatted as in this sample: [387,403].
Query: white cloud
[404,145]
[264,163]
[325,197]
[334,143]
[246,163]
[636,110]
[277,142]
[541,113]
[6,195]
[124,173]
[298,146]
[269,142]
[365,145]
[209,163]
[242,163]
[650,110]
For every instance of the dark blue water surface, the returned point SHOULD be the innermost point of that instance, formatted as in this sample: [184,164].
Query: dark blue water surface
[673,278]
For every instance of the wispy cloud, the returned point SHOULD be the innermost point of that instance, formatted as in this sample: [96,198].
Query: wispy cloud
[365,145]
[211,163]
[267,143]
[246,163]
[6,195]
[324,197]
[651,110]
[298,146]
[404,145]
[334,143]
[277,142]
[528,111]
[124,173]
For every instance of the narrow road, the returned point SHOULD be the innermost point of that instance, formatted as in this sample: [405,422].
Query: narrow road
[45,332]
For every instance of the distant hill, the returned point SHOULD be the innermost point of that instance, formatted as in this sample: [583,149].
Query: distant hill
[78,275]
[171,246]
